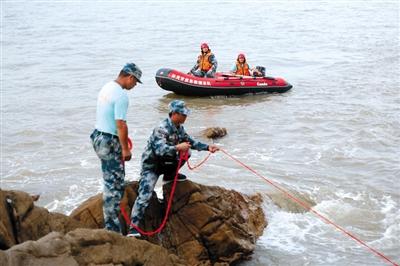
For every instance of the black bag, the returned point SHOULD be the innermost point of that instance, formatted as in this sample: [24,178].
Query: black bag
[167,165]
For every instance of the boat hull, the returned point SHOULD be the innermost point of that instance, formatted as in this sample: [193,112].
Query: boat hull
[223,84]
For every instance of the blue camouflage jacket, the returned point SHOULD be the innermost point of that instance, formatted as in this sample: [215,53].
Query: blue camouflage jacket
[162,143]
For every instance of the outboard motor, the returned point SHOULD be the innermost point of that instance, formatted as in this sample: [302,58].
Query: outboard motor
[261,71]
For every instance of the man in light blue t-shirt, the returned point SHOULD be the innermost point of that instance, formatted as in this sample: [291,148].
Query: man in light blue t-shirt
[110,140]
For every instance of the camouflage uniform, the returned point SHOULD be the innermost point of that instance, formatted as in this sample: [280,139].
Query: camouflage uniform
[161,145]
[112,105]
[108,149]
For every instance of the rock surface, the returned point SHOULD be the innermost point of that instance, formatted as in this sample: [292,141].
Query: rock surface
[87,247]
[20,220]
[215,132]
[288,204]
[207,225]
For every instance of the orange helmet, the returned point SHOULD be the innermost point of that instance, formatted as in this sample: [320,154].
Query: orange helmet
[204,45]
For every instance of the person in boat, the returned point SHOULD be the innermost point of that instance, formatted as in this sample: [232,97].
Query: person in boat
[161,157]
[206,64]
[242,68]
[110,140]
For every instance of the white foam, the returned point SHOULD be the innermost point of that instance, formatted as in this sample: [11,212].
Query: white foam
[389,205]
[88,164]
[282,232]
[391,223]
[294,234]
[286,231]
[351,195]
[52,206]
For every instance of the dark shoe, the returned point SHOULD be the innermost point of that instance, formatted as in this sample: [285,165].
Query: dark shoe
[181,177]
[169,179]
[132,232]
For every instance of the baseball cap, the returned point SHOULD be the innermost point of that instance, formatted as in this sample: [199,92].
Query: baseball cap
[178,106]
[134,70]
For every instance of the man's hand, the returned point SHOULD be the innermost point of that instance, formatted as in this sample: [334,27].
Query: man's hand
[184,146]
[213,148]
[122,129]
[126,155]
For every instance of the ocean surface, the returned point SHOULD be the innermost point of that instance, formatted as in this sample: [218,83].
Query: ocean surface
[335,137]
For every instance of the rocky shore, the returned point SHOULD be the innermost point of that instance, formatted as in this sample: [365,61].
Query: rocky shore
[207,225]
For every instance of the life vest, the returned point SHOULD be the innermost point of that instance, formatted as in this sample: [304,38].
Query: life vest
[204,61]
[242,69]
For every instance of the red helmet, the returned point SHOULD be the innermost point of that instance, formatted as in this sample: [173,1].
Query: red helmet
[204,45]
[241,56]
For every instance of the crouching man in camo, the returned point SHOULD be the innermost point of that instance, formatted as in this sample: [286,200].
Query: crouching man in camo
[161,157]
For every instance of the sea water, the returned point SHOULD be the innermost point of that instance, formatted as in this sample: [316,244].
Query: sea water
[334,137]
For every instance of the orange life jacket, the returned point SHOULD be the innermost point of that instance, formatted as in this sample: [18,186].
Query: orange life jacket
[242,69]
[204,61]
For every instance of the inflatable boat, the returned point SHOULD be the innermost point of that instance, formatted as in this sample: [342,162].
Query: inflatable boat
[221,84]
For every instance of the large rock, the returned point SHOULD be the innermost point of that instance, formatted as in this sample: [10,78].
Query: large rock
[207,225]
[87,247]
[215,132]
[21,220]
[90,212]
[288,204]
[7,236]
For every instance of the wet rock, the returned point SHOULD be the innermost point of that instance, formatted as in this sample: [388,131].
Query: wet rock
[7,237]
[88,247]
[20,220]
[225,222]
[214,132]
[90,212]
[35,197]
[207,225]
[286,203]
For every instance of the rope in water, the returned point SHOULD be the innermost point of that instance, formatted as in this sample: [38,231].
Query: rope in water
[185,156]
[309,207]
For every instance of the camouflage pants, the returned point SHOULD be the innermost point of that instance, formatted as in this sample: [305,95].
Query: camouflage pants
[147,182]
[108,149]
[199,73]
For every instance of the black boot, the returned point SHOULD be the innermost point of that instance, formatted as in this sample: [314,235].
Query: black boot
[170,178]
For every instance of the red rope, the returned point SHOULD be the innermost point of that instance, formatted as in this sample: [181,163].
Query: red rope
[309,207]
[171,196]
[199,164]
[185,156]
